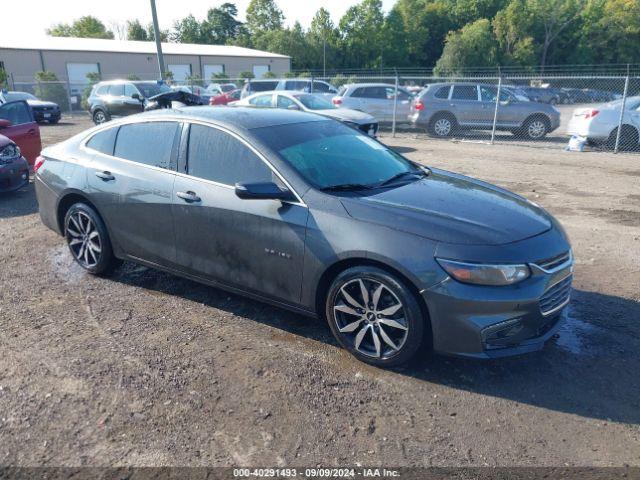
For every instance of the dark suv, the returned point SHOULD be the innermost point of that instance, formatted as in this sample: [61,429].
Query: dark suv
[118,98]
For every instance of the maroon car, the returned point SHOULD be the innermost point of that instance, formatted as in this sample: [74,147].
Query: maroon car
[14,169]
[18,124]
[225,98]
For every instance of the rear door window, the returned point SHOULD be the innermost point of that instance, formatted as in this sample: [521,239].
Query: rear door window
[149,143]
[443,92]
[104,141]
[17,113]
[102,90]
[284,102]
[465,92]
[130,89]
[220,157]
[320,87]
[261,100]
[116,90]
[296,84]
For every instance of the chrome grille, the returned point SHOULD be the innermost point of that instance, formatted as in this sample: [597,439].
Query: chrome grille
[556,296]
[553,262]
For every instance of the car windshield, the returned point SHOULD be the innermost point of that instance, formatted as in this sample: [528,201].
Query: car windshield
[329,154]
[149,90]
[314,102]
[14,96]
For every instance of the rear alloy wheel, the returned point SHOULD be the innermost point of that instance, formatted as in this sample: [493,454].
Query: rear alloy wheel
[88,240]
[375,316]
[99,116]
[628,139]
[442,126]
[535,128]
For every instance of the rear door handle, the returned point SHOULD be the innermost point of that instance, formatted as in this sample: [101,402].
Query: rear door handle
[32,131]
[188,197]
[106,176]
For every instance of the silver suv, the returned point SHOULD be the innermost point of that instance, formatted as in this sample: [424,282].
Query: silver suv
[443,108]
[376,99]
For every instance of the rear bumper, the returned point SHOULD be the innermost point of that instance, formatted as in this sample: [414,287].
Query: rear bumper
[14,175]
[47,204]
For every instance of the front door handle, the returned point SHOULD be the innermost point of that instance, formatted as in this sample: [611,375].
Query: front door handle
[188,197]
[106,176]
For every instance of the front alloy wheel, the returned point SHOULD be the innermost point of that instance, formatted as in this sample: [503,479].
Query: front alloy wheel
[374,316]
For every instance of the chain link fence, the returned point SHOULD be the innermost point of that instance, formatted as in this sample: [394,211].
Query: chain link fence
[587,112]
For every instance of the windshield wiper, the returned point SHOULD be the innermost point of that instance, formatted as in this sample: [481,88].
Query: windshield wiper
[346,187]
[403,174]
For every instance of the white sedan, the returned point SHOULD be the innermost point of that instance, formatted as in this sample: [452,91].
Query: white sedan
[599,124]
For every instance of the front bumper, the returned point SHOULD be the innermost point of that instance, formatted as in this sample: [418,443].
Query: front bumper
[14,175]
[46,115]
[489,322]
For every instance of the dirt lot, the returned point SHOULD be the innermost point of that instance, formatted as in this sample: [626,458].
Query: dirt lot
[148,369]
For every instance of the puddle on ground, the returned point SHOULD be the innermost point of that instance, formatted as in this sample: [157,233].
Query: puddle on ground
[574,334]
[64,267]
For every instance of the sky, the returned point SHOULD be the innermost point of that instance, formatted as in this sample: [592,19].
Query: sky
[32,17]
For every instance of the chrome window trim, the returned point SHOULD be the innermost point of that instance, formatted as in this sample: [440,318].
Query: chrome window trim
[84,147]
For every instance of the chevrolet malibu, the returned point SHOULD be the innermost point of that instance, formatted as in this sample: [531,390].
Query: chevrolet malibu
[305,213]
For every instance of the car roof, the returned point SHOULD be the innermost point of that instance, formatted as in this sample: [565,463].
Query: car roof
[370,85]
[243,117]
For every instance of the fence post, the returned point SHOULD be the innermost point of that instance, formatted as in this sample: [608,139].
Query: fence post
[311,87]
[624,104]
[395,105]
[495,110]
[69,96]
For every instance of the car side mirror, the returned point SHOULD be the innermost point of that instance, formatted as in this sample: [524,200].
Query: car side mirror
[262,191]
[136,96]
[293,107]
[5,123]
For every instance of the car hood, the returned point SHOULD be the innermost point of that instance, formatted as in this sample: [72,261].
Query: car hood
[346,115]
[4,141]
[452,208]
[41,103]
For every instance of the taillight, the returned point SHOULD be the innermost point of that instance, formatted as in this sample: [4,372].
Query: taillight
[337,101]
[591,113]
[418,105]
[39,162]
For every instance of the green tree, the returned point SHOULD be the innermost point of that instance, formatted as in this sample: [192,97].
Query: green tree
[222,25]
[288,41]
[263,16]
[609,32]
[151,34]
[187,30]
[49,88]
[3,78]
[135,31]
[512,26]
[362,39]
[474,45]
[84,27]
[219,76]
[323,39]
[246,75]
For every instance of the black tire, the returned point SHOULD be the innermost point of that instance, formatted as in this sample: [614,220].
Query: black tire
[628,139]
[442,125]
[535,128]
[378,321]
[100,116]
[54,121]
[88,240]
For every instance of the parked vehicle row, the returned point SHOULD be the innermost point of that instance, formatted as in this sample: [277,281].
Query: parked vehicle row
[303,212]
[318,87]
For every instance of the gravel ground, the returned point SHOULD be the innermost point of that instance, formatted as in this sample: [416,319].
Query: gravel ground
[149,369]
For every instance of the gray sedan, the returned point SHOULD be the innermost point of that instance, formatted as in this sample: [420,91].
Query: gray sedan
[305,213]
[313,103]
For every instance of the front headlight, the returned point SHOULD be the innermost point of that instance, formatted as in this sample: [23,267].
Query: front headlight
[9,152]
[485,274]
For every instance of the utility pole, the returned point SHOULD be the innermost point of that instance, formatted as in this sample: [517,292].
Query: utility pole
[324,57]
[156,34]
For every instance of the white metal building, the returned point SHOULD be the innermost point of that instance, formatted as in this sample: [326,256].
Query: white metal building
[72,58]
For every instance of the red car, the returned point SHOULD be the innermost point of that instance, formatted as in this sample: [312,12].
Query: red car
[18,124]
[225,98]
